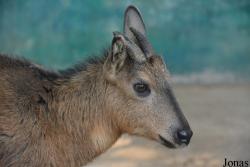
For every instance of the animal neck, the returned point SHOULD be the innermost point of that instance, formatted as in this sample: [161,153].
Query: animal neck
[83,115]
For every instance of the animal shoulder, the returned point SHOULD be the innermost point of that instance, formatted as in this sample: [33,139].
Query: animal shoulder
[23,80]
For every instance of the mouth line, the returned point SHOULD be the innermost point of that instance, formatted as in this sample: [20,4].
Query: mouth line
[166,143]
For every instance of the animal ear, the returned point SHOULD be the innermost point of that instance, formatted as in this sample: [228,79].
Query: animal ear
[117,56]
[133,19]
[134,29]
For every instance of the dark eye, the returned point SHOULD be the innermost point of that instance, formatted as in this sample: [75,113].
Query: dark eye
[141,89]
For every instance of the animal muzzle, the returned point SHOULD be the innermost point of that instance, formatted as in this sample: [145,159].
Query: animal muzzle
[184,136]
[181,138]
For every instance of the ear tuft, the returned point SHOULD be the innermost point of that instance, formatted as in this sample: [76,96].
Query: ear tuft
[118,46]
[116,58]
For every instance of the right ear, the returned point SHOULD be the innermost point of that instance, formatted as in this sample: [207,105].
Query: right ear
[133,19]
[116,57]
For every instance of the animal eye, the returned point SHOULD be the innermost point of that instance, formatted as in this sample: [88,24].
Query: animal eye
[142,89]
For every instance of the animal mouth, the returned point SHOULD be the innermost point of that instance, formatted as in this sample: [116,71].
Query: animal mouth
[166,142]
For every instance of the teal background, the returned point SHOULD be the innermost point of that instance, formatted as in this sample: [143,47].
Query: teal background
[193,35]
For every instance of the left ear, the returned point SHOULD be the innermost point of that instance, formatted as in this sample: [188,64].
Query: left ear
[116,59]
[133,19]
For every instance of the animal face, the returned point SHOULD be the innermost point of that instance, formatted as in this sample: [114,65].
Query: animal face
[142,98]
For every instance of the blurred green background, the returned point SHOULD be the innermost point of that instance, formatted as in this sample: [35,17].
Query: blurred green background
[194,36]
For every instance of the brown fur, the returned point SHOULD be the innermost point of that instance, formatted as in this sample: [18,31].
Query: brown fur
[49,119]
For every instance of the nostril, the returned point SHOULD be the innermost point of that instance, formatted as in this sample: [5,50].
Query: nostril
[184,136]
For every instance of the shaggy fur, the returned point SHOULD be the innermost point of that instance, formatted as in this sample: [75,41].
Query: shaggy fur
[53,119]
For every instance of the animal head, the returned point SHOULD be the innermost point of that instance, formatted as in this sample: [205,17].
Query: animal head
[141,97]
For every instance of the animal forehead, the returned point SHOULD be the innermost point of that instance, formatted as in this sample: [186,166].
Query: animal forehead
[154,71]
[155,66]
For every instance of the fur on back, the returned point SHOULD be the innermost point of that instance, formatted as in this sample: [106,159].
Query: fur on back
[31,134]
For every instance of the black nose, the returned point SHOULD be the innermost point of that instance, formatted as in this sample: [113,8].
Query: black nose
[184,136]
